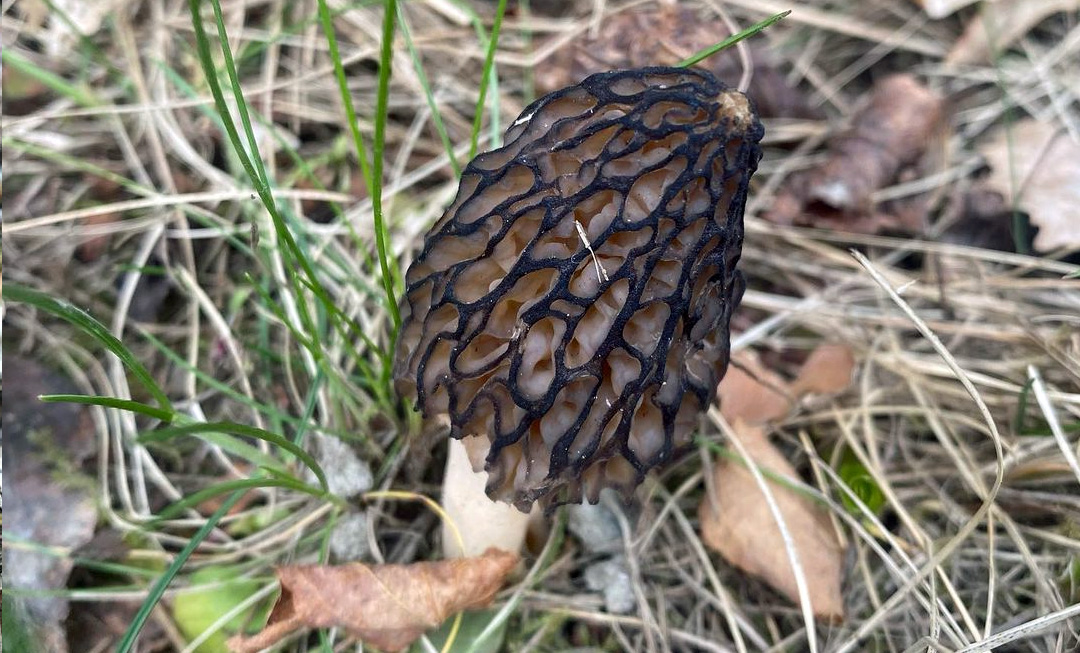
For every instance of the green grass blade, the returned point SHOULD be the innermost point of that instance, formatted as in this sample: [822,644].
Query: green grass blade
[242,485]
[239,429]
[241,103]
[701,55]
[230,444]
[158,589]
[84,321]
[252,165]
[50,80]
[489,65]
[386,56]
[112,402]
[436,115]
[343,88]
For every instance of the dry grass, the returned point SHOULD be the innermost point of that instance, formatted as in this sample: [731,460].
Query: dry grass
[124,200]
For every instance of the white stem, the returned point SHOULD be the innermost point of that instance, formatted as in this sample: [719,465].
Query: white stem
[481,522]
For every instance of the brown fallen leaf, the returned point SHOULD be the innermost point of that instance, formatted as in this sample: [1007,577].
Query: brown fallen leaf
[757,395]
[999,24]
[888,136]
[388,606]
[826,371]
[736,522]
[1036,167]
[629,39]
[752,392]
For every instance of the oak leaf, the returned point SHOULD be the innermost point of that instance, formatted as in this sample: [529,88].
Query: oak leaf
[387,606]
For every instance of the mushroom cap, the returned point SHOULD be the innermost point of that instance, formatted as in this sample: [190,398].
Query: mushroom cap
[572,305]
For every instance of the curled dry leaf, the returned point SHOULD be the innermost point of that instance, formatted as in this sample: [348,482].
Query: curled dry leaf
[1036,167]
[738,524]
[888,136]
[388,606]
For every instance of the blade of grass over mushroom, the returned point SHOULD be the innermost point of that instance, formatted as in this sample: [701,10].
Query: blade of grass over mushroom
[201,429]
[158,590]
[485,79]
[86,323]
[700,56]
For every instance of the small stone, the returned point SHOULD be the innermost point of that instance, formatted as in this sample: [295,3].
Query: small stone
[349,541]
[346,475]
[596,527]
[612,577]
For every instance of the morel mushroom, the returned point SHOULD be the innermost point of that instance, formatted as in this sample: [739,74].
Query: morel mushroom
[571,308]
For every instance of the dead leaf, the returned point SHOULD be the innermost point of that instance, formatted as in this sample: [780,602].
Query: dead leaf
[1001,23]
[827,371]
[753,393]
[388,606]
[629,39]
[737,522]
[888,136]
[1043,164]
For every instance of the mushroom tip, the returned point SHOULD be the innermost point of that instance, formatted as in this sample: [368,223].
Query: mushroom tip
[572,305]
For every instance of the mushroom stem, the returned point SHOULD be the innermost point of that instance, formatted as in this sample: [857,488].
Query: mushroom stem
[481,522]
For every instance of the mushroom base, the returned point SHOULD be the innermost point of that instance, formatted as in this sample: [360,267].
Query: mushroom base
[481,522]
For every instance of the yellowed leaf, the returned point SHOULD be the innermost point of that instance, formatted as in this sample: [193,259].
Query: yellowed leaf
[999,24]
[388,606]
[1036,167]
[737,523]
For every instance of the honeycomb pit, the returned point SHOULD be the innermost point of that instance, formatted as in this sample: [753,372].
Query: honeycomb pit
[571,308]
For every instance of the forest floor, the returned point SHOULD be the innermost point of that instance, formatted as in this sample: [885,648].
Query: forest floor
[915,213]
